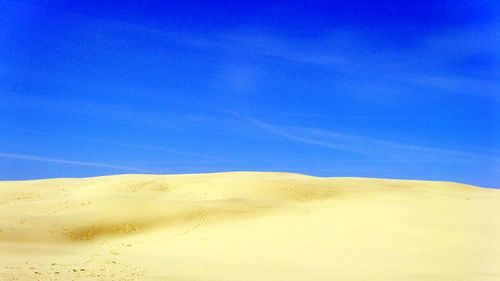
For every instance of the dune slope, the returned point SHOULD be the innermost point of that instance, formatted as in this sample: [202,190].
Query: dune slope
[247,226]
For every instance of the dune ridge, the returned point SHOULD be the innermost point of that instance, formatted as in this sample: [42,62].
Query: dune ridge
[247,226]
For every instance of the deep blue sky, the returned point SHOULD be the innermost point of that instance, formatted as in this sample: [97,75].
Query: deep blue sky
[392,89]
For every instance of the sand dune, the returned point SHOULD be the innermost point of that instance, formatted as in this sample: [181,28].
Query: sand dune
[247,226]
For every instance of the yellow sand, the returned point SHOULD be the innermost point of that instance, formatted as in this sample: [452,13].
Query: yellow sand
[247,226]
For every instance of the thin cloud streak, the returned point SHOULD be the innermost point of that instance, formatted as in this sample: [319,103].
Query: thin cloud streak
[335,52]
[69,162]
[124,144]
[284,133]
[366,69]
[369,146]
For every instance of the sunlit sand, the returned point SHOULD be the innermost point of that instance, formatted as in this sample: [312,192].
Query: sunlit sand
[247,226]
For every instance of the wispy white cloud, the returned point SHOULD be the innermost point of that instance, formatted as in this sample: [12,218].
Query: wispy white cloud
[286,133]
[70,162]
[362,145]
[191,155]
[427,67]
[379,70]
[372,71]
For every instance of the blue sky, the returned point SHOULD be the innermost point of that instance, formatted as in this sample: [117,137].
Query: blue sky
[337,88]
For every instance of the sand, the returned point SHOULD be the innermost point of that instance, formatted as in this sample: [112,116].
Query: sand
[247,226]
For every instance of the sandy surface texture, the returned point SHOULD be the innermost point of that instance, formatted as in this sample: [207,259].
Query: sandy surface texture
[247,226]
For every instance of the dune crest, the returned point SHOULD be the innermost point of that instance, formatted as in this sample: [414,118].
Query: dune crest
[247,226]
